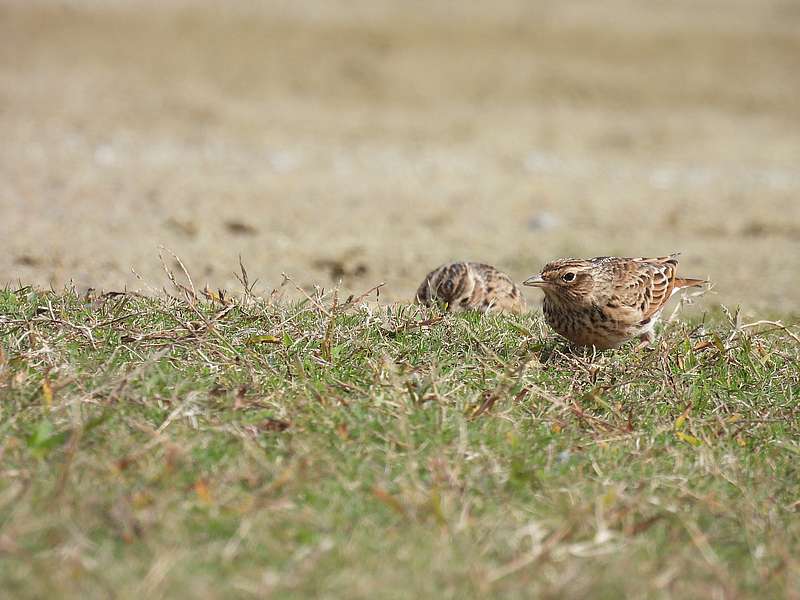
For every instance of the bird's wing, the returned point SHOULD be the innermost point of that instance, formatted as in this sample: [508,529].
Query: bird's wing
[493,279]
[449,283]
[643,285]
[496,288]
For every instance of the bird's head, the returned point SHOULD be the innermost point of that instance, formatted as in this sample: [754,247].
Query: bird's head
[566,279]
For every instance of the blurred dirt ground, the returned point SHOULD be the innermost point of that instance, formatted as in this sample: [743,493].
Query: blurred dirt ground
[373,140]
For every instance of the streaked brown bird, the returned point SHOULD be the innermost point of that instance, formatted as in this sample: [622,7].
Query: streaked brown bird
[470,286]
[608,300]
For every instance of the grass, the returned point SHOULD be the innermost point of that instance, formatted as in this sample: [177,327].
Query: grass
[182,447]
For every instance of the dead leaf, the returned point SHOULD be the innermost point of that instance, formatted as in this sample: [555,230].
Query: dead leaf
[47,392]
[239,228]
[123,463]
[26,260]
[689,439]
[275,425]
[340,269]
[262,339]
[216,296]
[702,345]
[643,526]
[240,401]
[203,491]
[187,228]
[389,500]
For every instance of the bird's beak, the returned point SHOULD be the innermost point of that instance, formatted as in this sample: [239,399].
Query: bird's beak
[535,280]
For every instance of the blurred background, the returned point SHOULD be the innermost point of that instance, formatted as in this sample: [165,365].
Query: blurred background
[370,140]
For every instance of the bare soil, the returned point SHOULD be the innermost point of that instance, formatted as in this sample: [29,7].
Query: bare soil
[370,141]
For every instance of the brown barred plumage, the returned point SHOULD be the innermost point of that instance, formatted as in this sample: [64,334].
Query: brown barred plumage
[607,300]
[471,286]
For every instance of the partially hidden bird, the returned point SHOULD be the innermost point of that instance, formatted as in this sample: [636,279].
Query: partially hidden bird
[477,286]
[607,300]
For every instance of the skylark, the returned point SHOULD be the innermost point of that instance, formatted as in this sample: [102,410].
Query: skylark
[607,300]
[471,286]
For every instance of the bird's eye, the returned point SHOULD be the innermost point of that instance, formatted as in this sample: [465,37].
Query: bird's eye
[568,277]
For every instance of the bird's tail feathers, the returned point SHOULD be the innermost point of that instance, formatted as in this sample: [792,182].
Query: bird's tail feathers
[684,283]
